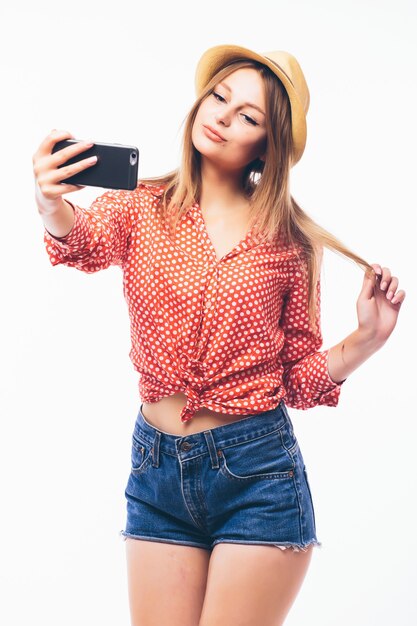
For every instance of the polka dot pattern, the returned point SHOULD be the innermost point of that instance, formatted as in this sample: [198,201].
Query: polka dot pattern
[231,333]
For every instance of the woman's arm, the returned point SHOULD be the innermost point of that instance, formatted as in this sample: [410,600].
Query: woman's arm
[377,307]
[98,236]
[60,221]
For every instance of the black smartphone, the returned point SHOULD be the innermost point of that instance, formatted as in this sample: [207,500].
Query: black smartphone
[116,166]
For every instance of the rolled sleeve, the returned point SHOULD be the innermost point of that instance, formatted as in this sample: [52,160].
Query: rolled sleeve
[100,235]
[59,249]
[324,390]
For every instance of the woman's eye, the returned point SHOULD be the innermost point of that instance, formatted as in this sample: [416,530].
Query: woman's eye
[250,120]
[218,96]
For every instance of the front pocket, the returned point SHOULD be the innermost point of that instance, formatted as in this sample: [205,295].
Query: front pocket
[261,458]
[141,455]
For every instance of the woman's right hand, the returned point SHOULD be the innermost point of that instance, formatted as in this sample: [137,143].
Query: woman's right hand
[49,189]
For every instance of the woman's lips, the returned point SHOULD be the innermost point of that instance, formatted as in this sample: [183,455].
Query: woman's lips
[211,134]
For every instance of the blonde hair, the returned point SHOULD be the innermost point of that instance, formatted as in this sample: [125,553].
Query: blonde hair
[274,212]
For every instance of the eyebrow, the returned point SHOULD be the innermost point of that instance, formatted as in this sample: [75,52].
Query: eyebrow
[246,104]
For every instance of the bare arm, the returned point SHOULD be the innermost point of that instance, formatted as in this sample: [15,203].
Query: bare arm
[59,220]
[346,356]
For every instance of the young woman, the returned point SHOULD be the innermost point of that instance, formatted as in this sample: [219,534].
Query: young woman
[221,275]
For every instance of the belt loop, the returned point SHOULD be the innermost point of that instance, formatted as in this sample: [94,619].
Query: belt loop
[212,449]
[284,409]
[155,449]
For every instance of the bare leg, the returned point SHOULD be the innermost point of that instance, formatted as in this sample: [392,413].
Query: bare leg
[166,582]
[252,585]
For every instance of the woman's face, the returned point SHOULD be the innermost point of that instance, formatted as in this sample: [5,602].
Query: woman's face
[236,111]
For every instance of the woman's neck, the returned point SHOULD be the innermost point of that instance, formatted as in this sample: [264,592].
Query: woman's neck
[222,190]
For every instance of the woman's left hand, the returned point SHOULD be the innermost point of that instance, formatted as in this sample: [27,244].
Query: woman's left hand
[378,304]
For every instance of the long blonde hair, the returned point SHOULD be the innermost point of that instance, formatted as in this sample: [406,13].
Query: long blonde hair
[274,212]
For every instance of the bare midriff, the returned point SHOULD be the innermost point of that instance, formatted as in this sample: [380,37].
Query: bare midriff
[165,416]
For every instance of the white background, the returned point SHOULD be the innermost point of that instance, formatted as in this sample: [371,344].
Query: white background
[124,72]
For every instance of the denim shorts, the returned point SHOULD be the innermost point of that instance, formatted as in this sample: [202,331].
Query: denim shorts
[243,482]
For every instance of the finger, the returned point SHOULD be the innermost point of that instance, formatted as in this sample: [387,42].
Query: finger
[377,268]
[67,188]
[399,297]
[65,154]
[51,139]
[376,273]
[385,278]
[368,285]
[392,287]
[60,174]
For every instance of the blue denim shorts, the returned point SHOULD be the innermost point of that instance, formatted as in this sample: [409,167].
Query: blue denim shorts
[243,482]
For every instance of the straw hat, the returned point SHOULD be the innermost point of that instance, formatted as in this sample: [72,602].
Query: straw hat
[282,64]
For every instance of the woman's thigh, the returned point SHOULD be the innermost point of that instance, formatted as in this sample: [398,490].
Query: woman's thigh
[166,582]
[252,585]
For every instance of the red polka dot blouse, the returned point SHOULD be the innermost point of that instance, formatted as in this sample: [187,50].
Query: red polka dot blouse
[231,333]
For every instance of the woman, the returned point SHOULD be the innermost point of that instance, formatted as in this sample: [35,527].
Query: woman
[222,279]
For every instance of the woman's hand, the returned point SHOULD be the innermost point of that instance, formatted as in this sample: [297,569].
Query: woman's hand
[378,305]
[48,175]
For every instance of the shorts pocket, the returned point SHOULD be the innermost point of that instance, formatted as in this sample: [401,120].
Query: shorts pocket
[141,455]
[261,458]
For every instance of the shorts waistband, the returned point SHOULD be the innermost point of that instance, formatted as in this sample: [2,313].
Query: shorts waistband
[240,431]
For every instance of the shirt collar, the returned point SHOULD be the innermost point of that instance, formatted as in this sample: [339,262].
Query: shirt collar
[194,211]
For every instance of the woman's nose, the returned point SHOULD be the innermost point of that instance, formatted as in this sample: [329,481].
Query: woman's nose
[222,118]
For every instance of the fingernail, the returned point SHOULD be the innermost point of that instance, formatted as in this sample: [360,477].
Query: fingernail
[383,285]
[390,294]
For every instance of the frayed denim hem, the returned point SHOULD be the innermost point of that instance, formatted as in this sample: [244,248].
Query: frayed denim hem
[283,546]
[298,548]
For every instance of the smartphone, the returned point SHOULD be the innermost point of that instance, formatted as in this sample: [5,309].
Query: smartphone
[116,166]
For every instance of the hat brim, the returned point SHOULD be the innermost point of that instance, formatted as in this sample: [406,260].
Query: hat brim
[218,56]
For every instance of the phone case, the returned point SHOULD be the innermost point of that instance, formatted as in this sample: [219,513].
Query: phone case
[116,166]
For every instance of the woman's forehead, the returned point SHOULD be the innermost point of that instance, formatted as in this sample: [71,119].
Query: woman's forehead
[246,82]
